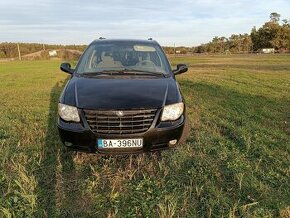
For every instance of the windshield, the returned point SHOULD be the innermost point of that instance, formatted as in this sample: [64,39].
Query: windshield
[123,57]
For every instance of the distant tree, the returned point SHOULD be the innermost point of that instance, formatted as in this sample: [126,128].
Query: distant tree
[183,50]
[275,17]
[240,43]
[255,39]
[168,50]
[223,42]
[246,43]
[200,49]
[285,21]
[282,39]
[272,34]
[234,43]
[217,45]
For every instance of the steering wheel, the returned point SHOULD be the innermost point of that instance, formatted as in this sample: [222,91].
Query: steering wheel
[145,62]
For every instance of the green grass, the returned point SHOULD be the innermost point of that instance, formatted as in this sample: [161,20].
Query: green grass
[235,164]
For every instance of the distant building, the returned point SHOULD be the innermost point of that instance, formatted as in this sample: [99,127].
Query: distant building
[268,50]
[52,53]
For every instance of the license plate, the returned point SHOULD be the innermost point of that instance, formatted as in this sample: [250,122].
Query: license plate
[120,143]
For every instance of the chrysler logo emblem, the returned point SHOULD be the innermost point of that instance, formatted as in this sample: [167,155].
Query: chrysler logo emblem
[120,113]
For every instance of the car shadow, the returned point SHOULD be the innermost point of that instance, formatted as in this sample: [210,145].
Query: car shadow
[52,166]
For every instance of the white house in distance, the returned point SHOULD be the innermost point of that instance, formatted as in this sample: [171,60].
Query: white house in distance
[268,50]
[52,53]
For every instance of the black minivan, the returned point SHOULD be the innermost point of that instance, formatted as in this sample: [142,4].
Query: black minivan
[122,97]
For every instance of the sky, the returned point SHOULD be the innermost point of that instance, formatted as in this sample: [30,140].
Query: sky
[183,22]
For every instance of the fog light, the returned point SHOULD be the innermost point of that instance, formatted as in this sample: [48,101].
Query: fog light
[68,144]
[172,142]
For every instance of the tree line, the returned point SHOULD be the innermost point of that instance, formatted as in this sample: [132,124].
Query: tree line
[10,50]
[273,34]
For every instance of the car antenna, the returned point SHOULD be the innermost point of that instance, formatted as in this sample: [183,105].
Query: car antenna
[102,38]
[150,39]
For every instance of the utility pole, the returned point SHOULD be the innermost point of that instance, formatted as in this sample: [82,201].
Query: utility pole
[174,51]
[19,53]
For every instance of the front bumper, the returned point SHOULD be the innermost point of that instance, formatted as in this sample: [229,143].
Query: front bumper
[79,136]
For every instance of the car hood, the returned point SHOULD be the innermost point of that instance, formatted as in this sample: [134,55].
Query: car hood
[112,93]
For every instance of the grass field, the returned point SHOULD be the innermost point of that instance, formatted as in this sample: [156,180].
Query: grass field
[236,162]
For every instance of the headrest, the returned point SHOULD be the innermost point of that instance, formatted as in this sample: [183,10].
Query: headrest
[107,58]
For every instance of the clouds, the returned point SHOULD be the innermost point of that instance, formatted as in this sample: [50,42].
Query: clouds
[185,22]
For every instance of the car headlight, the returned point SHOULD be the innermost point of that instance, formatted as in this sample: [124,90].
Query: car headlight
[172,111]
[68,113]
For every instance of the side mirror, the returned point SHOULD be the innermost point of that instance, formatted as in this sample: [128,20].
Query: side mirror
[181,68]
[66,67]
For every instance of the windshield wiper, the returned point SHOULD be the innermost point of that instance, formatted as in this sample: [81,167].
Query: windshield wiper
[143,72]
[124,71]
[103,72]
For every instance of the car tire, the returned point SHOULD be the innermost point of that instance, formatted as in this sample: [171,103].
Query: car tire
[186,131]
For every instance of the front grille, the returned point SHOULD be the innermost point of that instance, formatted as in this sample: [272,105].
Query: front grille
[130,122]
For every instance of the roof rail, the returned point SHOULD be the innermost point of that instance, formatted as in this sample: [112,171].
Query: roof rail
[101,38]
